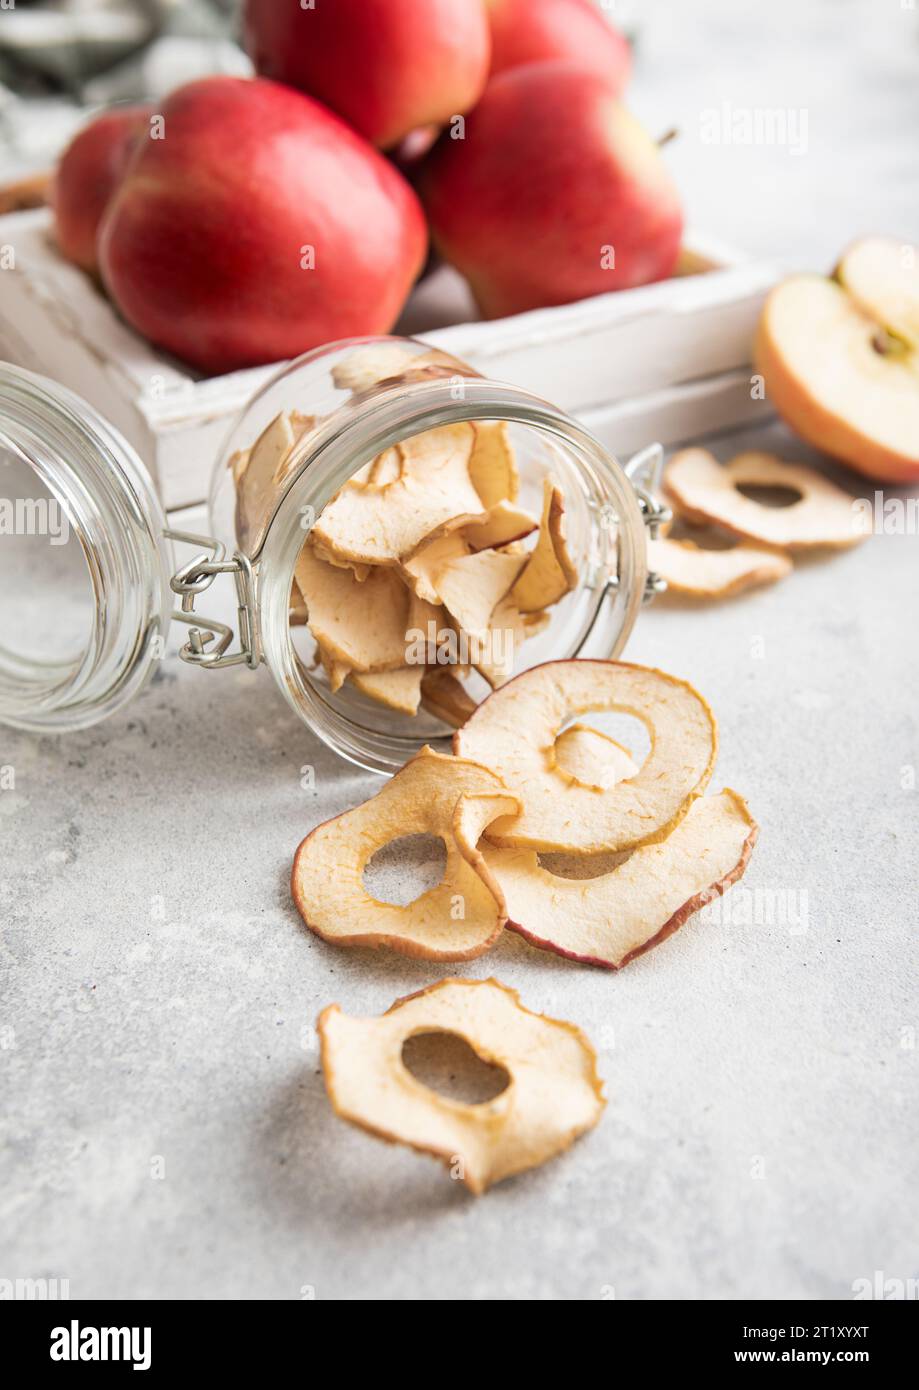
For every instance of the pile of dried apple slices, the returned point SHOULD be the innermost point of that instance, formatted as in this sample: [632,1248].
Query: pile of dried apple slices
[521,782]
[423,547]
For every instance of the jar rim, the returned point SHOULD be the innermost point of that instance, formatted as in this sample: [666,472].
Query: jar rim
[339,448]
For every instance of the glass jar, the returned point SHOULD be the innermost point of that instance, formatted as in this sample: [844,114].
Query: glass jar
[79,506]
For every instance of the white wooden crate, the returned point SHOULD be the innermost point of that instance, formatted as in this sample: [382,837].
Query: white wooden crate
[675,351]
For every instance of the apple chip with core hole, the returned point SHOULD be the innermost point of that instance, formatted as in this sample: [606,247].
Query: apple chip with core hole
[432,795]
[549,573]
[706,491]
[514,732]
[611,919]
[379,525]
[554,1093]
[699,573]
[361,625]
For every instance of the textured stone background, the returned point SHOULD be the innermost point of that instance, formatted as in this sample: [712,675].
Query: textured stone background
[762,1132]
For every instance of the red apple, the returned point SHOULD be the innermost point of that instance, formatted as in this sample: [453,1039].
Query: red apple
[386,66]
[555,193]
[87,175]
[534,31]
[259,227]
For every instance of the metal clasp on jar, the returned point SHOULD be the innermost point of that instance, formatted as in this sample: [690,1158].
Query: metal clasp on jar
[193,579]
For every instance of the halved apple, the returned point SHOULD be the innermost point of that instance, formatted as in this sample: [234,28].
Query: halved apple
[883,275]
[837,373]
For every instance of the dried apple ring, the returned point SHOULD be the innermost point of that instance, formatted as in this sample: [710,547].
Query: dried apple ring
[706,491]
[554,1095]
[692,570]
[514,732]
[610,919]
[434,794]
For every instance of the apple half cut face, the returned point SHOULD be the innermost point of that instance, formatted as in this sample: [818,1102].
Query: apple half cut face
[610,919]
[515,731]
[432,795]
[841,366]
[554,1095]
[707,492]
[882,275]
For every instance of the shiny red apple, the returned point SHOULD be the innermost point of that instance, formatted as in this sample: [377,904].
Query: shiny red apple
[258,227]
[555,193]
[87,175]
[535,31]
[386,66]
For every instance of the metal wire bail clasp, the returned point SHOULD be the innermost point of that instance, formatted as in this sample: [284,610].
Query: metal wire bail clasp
[644,471]
[190,581]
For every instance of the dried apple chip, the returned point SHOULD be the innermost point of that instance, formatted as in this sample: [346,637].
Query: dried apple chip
[503,523]
[381,525]
[258,473]
[337,671]
[399,690]
[613,918]
[373,363]
[699,573]
[706,491]
[592,758]
[514,732]
[361,625]
[370,364]
[457,920]
[550,571]
[472,586]
[386,468]
[493,657]
[554,1095]
[419,568]
[445,697]
[493,468]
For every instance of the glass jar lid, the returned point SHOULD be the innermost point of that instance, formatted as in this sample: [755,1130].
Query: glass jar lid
[84,561]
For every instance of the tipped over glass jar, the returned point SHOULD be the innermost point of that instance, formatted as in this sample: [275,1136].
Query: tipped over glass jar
[373,489]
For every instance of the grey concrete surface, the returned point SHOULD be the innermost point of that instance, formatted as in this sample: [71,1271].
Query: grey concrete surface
[165,1130]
